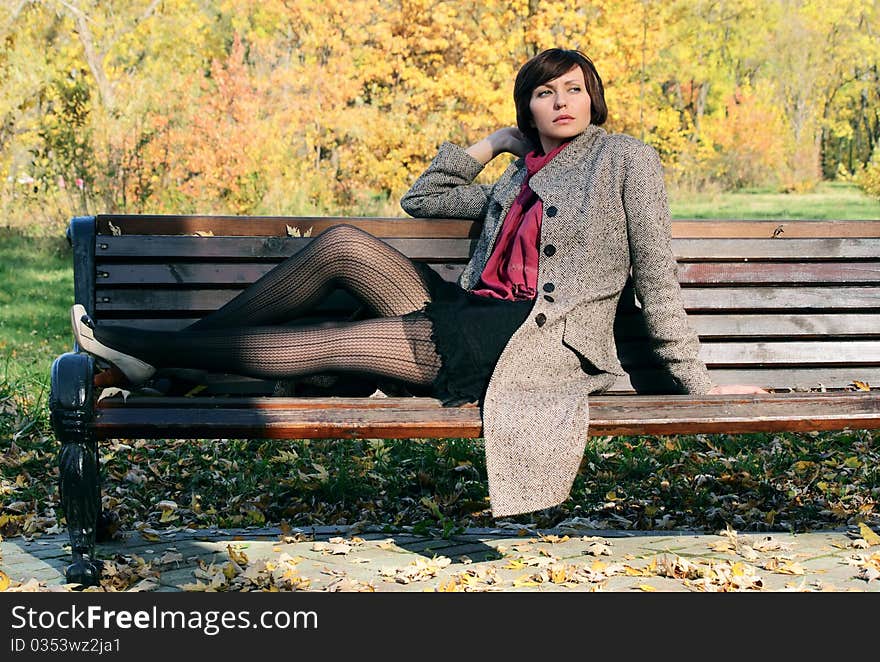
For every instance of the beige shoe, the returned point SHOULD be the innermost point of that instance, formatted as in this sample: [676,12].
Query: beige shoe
[135,370]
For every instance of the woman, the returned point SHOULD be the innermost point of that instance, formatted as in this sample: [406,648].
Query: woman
[529,328]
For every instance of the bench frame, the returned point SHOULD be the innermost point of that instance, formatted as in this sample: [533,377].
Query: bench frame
[80,421]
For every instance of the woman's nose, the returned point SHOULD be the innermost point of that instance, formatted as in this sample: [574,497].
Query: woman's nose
[560,101]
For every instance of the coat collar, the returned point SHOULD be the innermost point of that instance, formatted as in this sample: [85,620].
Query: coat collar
[549,178]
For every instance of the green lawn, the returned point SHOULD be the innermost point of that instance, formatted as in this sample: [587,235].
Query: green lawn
[751,482]
[830,201]
[37,292]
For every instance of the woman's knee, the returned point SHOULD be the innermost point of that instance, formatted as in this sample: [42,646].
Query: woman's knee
[344,232]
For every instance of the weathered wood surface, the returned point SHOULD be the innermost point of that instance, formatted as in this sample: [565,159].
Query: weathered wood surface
[784,379]
[787,299]
[194,274]
[433,227]
[832,326]
[788,305]
[389,418]
[439,249]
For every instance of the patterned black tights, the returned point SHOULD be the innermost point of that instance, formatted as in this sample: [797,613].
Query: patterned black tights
[243,336]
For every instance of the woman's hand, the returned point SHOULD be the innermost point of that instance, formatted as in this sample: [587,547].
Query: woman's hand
[512,140]
[735,389]
[509,139]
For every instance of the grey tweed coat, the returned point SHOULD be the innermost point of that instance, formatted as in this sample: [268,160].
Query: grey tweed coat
[605,213]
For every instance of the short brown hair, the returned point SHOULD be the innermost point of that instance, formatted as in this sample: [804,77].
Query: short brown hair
[546,66]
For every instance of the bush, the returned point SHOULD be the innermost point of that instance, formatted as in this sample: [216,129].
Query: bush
[868,178]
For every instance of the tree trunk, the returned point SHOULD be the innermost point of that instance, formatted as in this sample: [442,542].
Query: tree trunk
[95,61]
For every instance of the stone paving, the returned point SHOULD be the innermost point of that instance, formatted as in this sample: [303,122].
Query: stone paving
[508,558]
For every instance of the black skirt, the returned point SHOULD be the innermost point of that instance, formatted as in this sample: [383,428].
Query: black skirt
[469,332]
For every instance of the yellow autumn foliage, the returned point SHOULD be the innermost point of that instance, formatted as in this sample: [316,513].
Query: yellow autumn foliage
[335,106]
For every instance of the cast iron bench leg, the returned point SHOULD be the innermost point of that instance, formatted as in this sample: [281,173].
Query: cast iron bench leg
[72,408]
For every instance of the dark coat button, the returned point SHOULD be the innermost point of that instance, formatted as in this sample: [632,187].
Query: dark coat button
[540,318]
[551,211]
[547,297]
[549,287]
[549,250]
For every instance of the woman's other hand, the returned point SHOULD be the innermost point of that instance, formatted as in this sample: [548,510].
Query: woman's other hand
[735,389]
[509,139]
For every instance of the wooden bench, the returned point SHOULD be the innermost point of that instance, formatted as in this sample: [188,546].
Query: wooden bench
[793,306]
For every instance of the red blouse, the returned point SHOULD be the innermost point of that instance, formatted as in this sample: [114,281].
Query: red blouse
[512,270]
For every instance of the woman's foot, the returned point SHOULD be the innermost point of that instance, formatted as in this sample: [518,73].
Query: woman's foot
[135,370]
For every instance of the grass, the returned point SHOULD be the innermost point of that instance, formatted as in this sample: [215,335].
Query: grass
[38,288]
[750,482]
[830,200]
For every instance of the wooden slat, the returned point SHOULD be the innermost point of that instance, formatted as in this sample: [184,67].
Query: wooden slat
[268,226]
[735,414]
[800,353]
[403,418]
[771,378]
[193,301]
[780,274]
[712,273]
[785,325]
[695,299]
[261,248]
[194,274]
[404,226]
[788,229]
[780,298]
[777,353]
[639,402]
[773,249]
[707,326]
[782,379]
[249,248]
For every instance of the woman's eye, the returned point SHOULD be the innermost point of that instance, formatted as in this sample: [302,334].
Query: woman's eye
[574,89]
[543,93]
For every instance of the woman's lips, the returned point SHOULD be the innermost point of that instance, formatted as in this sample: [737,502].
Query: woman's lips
[563,119]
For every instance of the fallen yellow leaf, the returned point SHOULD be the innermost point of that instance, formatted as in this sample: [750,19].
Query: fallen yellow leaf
[868,534]
[168,516]
[646,587]
[4,581]
[721,546]
[449,587]
[237,555]
[557,575]
[790,568]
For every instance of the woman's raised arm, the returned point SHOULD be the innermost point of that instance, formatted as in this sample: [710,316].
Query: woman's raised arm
[446,188]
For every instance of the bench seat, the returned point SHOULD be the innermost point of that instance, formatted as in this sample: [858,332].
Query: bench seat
[414,417]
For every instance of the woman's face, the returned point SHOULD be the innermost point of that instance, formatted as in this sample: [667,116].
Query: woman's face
[560,108]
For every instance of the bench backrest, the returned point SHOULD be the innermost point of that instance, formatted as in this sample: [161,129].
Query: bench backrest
[782,304]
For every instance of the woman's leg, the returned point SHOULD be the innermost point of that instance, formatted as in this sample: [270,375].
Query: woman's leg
[341,256]
[393,347]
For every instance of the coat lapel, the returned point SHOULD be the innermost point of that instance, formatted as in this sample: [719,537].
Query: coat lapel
[552,177]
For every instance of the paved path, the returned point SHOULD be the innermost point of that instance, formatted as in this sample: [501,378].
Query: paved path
[502,559]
